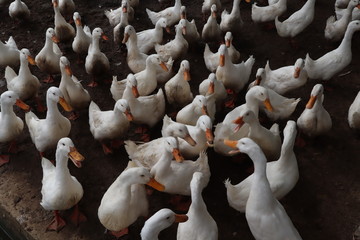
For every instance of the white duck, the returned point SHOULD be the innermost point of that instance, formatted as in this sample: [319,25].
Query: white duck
[211,31]
[125,200]
[176,176]
[24,84]
[96,63]
[119,28]
[335,29]
[234,54]
[74,93]
[67,7]
[297,21]
[341,10]
[191,112]
[162,219]
[64,31]
[146,79]
[315,120]
[282,174]
[233,76]
[201,133]
[283,79]
[9,53]
[255,96]
[45,133]
[147,110]
[354,113]
[334,61]
[115,15]
[266,217]
[268,139]
[232,21]
[268,13]
[200,224]
[136,60]
[212,86]
[177,89]
[171,14]
[177,47]
[19,10]
[111,124]
[192,35]
[149,153]
[60,190]
[48,58]
[83,38]
[11,125]
[147,39]
[206,6]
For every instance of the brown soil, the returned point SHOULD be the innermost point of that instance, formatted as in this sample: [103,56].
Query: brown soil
[323,205]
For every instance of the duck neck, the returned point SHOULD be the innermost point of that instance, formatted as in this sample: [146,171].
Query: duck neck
[131,44]
[197,202]
[48,44]
[61,170]
[53,113]
[24,67]
[163,165]
[287,146]
[236,7]
[150,69]
[252,104]
[6,110]
[254,125]
[95,45]
[150,232]
[346,42]
[177,4]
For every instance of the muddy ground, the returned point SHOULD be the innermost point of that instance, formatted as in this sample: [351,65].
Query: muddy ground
[323,205]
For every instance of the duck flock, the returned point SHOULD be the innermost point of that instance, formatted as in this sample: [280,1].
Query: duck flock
[166,121]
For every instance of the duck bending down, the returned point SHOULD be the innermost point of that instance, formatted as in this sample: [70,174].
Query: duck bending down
[147,110]
[25,84]
[125,200]
[9,53]
[200,224]
[19,10]
[111,124]
[232,22]
[11,125]
[147,39]
[192,35]
[282,174]
[60,190]
[96,63]
[67,7]
[268,13]
[334,61]
[201,133]
[211,31]
[284,79]
[162,219]
[266,217]
[146,79]
[74,93]
[315,120]
[63,30]
[45,133]
[176,176]
[83,38]
[48,58]
[171,14]
[354,113]
[297,22]
[177,47]
[335,29]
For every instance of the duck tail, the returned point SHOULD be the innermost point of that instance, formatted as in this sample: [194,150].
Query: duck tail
[130,148]
[9,74]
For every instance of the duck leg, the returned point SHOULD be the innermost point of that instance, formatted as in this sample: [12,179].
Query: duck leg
[40,106]
[107,150]
[77,217]
[180,203]
[231,98]
[57,223]
[4,159]
[13,147]
[120,233]
[50,79]
[93,83]
[73,116]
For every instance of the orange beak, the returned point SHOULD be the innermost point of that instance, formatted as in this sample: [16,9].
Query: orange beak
[55,4]
[155,184]
[222,60]
[181,218]
[239,123]
[297,72]
[78,22]
[209,137]
[129,115]
[311,102]
[190,140]
[124,9]
[31,60]
[177,155]
[213,14]
[22,105]
[182,16]
[163,66]
[135,91]
[187,75]
[231,144]
[248,1]
[183,30]
[268,105]
[76,157]
[126,38]
[68,70]
[55,39]
[204,110]
[211,88]
[103,36]
[65,105]
[258,80]
[168,30]
[227,43]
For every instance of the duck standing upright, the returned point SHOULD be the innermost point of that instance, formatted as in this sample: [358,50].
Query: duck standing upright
[19,10]
[60,190]
[64,31]
[211,31]
[83,37]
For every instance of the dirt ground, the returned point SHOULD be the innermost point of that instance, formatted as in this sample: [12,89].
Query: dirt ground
[325,203]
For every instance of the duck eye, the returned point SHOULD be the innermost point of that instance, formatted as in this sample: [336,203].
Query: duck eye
[180,130]
[168,218]
[63,144]
[168,143]
[142,175]
[9,96]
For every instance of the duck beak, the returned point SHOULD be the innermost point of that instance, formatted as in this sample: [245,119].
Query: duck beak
[297,72]
[103,36]
[129,115]
[213,14]
[311,102]
[222,60]
[22,105]
[68,70]
[187,75]
[163,66]
[268,105]
[183,30]
[124,9]
[239,123]
[231,144]
[209,137]
[31,60]
[177,155]
[181,218]
[65,105]
[204,110]
[168,30]
[135,91]
[258,80]
[76,157]
[227,43]
[248,1]
[155,184]
[182,16]
[211,89]
[126,38]
[190,140]
[55,39]
[358,6]
[78,22]
[55,4]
